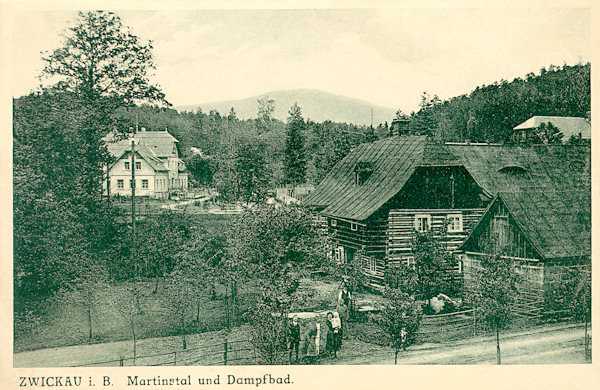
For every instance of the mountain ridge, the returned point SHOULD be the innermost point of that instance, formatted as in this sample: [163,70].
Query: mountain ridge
[316,105]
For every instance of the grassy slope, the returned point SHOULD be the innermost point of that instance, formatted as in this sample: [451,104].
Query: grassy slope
[66,324]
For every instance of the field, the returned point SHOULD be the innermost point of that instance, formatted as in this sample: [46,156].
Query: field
[63,324]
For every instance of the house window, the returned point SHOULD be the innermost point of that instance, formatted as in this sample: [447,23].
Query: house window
[353,226]
[138,165]
[371,264]
[340,254]
[409,261]
[422,223]
[455,223]
[144,183]
[127,165]
[130,183]
[333,222]
[120,184]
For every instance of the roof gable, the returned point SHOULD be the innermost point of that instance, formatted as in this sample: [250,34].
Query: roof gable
[143,152]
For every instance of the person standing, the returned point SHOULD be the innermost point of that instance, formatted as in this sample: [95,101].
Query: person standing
[330,346]
[345,298]
[337,331]
[294,337]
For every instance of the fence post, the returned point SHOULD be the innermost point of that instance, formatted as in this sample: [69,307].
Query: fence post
[121,361]
[225,352]
[175,358]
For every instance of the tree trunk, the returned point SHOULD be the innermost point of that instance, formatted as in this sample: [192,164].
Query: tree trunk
[498,345]
[198,310]
[156,285]
[90,322]
[396,357]
[227,305]
[586,336]
[183,332]
[134,339]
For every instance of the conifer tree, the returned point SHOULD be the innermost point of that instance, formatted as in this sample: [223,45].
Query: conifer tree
[295,155]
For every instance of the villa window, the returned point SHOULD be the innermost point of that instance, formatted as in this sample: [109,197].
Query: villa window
[127,165]
[333,222]
[353,226]
[120,184]
[138,165]
[144,183]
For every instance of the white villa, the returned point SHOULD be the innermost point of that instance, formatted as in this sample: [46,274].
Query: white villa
[158,169]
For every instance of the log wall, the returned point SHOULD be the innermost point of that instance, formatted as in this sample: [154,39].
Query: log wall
[401,230]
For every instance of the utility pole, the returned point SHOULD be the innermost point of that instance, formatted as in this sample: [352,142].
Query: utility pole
[133,205]
[452,182]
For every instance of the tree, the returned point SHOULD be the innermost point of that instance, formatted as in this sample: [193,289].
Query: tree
[266,108]
[85,291]
[129,308]
[269,332]
[432,266]
[62,223]
[180,291]
[424,121]
[578,296]
[494,293]
[545,133]
[402,277]
[232,116]
[102,58]
[275,246]
[252,171]
[399,320]
[295,155]
[201,168]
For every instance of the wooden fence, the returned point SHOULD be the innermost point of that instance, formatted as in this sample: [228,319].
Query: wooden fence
[448,327]
[239,352]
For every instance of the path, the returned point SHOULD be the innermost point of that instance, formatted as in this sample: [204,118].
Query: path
[558,343]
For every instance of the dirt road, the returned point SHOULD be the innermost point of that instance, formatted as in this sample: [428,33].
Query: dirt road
[554,344]
[561,343]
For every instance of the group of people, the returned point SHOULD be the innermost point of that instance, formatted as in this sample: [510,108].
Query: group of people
[335,322]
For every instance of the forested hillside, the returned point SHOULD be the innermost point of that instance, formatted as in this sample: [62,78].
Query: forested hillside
[490,112]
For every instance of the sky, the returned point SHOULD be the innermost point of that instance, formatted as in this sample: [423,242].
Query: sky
[386,56]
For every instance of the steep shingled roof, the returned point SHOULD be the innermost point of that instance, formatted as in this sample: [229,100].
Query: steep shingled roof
[547,188]
[551,199]
[393,160]
[160,142]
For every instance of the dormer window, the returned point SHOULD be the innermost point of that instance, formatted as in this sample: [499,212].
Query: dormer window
[362,172]
[514,170]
